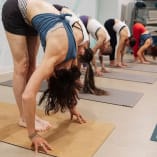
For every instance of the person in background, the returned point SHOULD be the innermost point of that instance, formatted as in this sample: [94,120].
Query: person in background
[100,34]
[116,27]
[72,20]
[89,81]
[143,41]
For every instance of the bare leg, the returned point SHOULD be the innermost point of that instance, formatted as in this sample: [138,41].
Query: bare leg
[20,58]
[142,59]
[141,56]
[142,49]
[33,46]
[123,63]
[145,59]
[20,47]
[119,60]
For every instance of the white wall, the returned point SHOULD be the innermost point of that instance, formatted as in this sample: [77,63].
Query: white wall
[110,9]
[126,10]
[86,7]
[107,9]
[5,55]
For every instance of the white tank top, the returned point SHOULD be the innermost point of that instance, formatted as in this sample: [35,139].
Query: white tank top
[119,25]
[72,19]
[22,4]
[93,26]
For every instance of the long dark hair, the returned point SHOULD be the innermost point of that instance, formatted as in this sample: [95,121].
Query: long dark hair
[62,92]
[89,82]
[132,41]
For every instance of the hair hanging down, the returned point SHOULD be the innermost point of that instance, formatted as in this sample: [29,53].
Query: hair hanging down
[153,51]
[132,41]
[89,82]
[62,92]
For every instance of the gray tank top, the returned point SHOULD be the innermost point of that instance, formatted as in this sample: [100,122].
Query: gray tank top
[22,4]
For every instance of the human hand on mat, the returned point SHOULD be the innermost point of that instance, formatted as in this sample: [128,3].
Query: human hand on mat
[79,118]
[39,144]
[98,72]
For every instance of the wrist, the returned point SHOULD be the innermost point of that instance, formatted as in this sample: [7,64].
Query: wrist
[33,135]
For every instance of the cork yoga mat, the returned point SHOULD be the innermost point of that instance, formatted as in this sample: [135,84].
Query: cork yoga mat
[67,138]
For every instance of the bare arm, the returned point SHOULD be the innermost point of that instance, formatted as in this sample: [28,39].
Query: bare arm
[29,105]
[55,53]
[120,49]
[101,38]
[101,60]
[95,48]
[98,45]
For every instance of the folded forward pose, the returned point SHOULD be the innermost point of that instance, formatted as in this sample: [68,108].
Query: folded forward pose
[23,20]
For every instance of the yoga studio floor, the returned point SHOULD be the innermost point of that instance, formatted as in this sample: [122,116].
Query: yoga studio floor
[133,125]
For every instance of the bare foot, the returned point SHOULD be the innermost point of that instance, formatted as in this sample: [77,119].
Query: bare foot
[145,62]
[40,125]
[120,65]
[137,61]
[44,123]
[112,63]
[124,64]
[98,73]
[104,70]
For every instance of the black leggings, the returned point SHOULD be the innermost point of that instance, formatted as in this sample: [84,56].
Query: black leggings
[13,21]
[113,37]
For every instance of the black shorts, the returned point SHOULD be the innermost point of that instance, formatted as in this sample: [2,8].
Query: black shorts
[109,24]
[13,21]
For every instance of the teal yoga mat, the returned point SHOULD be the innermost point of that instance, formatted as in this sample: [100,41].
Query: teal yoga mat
[154,134]
[115,96]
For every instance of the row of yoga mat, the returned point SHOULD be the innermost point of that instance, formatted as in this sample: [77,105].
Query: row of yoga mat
[116,96]
[64,131]
[124,74]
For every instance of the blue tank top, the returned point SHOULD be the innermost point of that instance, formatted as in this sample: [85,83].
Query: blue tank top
[44,22]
